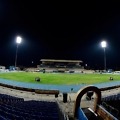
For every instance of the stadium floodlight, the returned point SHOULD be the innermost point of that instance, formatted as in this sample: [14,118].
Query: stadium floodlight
[18,41]
[104,45]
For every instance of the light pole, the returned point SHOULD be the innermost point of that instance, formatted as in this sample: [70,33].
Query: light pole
[104,44]
[18,41]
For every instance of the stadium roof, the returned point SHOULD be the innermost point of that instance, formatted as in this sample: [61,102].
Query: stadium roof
[53,60]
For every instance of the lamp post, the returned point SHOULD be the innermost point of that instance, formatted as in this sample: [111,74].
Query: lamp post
[18,41]
[104,44]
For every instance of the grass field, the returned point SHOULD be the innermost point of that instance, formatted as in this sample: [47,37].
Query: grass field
[59,78]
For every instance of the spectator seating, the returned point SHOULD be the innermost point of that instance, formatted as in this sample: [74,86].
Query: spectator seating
[112,104]
[13,108]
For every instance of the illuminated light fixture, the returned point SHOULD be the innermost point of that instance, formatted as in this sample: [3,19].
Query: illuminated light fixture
[18,41]
[104,45]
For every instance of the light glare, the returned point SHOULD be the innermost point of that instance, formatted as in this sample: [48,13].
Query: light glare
[18,40]
[103,44]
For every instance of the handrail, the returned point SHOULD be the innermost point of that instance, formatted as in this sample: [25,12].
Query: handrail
[81,92]
[81,114]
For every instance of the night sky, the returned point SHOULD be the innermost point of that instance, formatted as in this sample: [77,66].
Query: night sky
[60,30]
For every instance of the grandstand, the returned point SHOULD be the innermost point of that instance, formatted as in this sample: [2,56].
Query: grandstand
[13,108]
[53,65]
[30,105]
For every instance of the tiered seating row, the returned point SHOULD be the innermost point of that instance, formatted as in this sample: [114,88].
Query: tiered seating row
[8,98]
[113,100]
[112,104]
[13,108]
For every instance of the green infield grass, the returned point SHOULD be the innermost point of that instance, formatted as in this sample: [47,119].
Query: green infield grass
[59,78]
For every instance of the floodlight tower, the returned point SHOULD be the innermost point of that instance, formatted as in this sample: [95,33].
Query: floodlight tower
[18,41]
[104,44]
